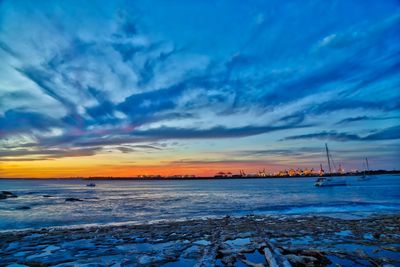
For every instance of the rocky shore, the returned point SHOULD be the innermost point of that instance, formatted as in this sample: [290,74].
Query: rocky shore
[229,241]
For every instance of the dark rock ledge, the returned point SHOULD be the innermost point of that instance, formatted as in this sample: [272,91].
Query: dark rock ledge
[246,241]
[72,199]
[7,194]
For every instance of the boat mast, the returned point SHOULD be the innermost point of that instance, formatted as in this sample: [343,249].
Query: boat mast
[327,155]
[366,160]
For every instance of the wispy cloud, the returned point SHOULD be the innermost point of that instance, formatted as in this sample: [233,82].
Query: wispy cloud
[80,78]
[392,133]
[365,118]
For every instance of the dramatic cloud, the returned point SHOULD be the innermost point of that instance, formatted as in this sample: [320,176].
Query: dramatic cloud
[83,79]
[17,122]
[365,118]
[391,133]
[48,154]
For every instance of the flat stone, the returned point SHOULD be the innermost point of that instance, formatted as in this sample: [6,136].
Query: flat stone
[72,199]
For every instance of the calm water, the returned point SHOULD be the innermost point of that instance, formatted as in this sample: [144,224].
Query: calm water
[146,201]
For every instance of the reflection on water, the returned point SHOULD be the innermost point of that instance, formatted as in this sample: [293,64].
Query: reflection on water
[146,201]
[255,257]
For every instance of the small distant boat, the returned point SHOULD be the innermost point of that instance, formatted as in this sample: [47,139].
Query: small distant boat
[364,177]
[322,181]
[91,185]
[328,181]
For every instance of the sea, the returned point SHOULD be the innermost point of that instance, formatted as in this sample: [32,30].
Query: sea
[42,202]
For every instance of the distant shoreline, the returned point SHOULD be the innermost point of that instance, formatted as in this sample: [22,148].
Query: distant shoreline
[163,178]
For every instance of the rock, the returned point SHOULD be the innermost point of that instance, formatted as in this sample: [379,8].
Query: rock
[229,260]
[361,253]
[47,196]
[313,253]
[297,260]
[36,264]
[376,235]
[73,199]
[177,243]
[251,264]
[274,256]
[270,258]
[307,258]
[6,194]
[23,208]
[145,259]
[226,251]
[394,249]
[294,259]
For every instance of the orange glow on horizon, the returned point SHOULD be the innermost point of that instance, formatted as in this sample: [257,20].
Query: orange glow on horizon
[61,169]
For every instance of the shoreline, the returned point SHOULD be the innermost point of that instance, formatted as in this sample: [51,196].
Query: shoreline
[167,178]
[345,215]
[222,241]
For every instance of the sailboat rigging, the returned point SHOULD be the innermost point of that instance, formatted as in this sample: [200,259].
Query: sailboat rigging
[328,181]
[365,177]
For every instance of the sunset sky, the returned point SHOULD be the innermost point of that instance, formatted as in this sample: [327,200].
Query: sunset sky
[121,88]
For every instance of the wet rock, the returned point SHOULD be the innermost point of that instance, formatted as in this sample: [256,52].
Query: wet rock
[73,199]
[394,249]
[269,256]
[36,264]
[226,251]
[229,260]
[274,256]
[7,194]
[376,235]
[251,264]
[23,208]
[361,253]
[47,196]
[297,260]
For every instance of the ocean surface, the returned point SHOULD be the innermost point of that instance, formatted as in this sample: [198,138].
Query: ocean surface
[149,201]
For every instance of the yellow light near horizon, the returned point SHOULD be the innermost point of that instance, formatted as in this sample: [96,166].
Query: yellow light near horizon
[118,164]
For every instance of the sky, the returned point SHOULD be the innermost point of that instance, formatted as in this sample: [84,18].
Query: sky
[123,88]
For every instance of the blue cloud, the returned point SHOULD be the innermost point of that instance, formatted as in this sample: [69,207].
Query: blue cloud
[116,73]
[17,121]
[365,118]
[392,133]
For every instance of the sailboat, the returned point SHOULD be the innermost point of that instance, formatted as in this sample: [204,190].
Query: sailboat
[329,181]
[364,177]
